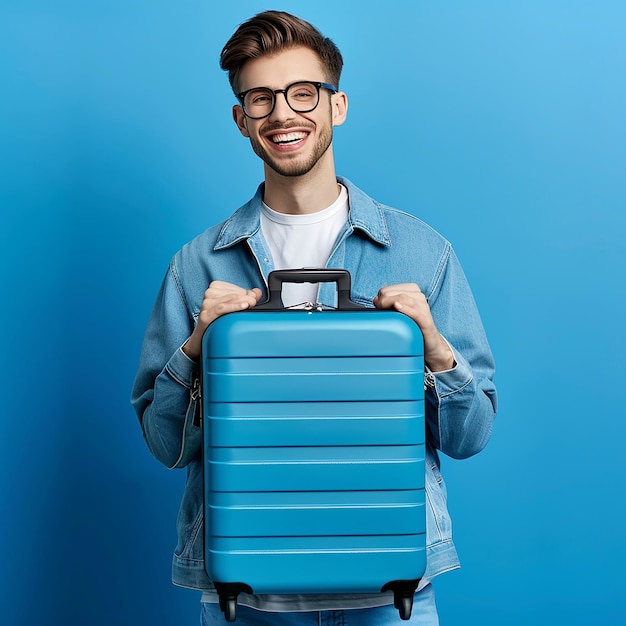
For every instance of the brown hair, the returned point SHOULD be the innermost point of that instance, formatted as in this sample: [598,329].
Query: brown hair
[271,32]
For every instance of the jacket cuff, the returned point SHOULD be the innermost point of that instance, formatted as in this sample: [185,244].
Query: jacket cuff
[454,379]
[182,368]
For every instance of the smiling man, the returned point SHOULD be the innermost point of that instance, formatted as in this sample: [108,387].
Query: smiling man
[285,75]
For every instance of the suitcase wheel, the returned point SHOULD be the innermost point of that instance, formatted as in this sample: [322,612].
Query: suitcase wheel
[405,607]
[230,609]
[403,591]
[227,593]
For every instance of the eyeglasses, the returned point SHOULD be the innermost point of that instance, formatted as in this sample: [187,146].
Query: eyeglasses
[302,97]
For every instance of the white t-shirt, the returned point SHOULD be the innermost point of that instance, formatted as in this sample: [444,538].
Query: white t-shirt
[298,241]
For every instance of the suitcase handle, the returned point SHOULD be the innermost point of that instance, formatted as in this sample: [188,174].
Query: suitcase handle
[314,275]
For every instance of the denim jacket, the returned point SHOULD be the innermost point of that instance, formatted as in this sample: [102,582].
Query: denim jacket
[379,246]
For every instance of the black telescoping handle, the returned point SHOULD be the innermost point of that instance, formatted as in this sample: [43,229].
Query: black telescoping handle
[309,275]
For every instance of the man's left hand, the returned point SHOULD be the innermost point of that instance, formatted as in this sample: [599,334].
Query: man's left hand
[408,299]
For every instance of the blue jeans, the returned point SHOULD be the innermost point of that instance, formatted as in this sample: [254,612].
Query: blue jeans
[424,613]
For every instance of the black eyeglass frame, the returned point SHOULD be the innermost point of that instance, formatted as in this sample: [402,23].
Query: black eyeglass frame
[318,85]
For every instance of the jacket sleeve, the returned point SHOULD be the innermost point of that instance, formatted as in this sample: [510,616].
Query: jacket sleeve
[161,394]
[461,403]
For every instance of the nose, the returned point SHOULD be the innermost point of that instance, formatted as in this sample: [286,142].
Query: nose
[281,110]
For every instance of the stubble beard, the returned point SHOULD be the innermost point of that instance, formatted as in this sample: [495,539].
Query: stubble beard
[295,166]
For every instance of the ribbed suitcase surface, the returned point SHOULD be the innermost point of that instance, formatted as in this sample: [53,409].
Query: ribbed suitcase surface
[314,450]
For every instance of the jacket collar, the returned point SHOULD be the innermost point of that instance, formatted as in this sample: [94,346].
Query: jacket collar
[365,215]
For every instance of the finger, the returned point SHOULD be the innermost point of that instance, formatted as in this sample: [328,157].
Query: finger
[391,290]
[220,287]
[212,308]
[387,299]
[412,306]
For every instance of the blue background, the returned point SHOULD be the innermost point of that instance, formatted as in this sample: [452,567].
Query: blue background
[500,123]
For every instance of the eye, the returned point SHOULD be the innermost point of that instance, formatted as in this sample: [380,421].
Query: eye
[259,98]
[302,92]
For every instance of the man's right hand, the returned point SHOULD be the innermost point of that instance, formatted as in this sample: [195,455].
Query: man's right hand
[220,298]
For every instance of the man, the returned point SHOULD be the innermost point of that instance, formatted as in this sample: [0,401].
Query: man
[286,75]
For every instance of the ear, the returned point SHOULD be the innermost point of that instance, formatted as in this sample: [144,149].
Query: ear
[339,104]
[241,120]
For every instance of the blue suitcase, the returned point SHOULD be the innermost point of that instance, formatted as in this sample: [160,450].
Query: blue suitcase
[314,449]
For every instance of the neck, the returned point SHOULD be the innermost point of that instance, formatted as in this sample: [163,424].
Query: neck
[299,195]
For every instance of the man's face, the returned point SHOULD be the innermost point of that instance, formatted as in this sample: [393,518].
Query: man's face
[289,143]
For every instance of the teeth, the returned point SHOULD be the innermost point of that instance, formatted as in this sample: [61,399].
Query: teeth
[288,137]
